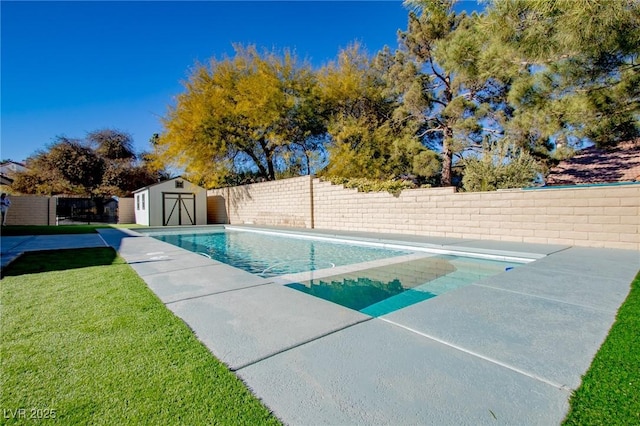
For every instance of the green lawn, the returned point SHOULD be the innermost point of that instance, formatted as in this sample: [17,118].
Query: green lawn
[52,230]
[84,340]
[610,390]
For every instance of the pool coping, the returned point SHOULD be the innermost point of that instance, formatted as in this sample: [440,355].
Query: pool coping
[511,347]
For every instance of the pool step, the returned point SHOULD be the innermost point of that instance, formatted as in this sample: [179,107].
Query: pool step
[424,292]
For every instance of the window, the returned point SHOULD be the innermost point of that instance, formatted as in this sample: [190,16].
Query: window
[179,184]
[138,202]
[142,201]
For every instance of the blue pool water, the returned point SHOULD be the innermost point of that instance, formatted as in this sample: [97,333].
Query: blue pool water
[374,291]
[271,255]
[381,290]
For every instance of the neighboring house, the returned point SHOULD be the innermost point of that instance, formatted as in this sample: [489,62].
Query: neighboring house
[172,202]
[599,165]
[8,169]
[5,180]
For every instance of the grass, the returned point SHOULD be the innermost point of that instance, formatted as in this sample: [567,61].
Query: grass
[610,390]
[53,230]
[85,341]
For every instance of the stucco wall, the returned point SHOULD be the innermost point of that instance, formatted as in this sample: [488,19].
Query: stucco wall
[31,210]
[597,216]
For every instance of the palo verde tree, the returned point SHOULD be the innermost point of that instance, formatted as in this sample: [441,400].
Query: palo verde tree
[365,139]
[574,65]
[250,113]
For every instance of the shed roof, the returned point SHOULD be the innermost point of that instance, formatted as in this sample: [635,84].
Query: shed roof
[164,182]
[599,165]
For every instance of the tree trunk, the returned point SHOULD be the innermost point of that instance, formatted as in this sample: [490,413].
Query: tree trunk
[272,172]
[447,157]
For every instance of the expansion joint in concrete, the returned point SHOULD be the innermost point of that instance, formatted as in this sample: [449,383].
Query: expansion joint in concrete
[200,296]
[248,364]
[483,357]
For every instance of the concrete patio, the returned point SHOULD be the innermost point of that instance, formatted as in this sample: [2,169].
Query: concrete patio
[509,349]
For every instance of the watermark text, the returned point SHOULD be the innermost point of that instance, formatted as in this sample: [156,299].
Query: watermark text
[28,413]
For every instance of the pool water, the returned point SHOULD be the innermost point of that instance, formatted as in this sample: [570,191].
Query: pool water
[379,281]
[272,255]
[379,291]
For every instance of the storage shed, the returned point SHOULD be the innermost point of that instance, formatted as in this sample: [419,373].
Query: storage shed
[172,202]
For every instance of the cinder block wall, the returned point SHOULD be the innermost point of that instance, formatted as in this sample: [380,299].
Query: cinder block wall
[31,210]
[285,202]
[595,216]
[599,216]
[126,212]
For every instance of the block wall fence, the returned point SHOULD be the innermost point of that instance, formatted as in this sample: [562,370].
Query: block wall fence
[31,210]
[596,216]
[39,210]
[126,210]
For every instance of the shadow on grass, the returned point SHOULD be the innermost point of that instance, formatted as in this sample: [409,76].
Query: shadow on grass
[20,230]
[60,260]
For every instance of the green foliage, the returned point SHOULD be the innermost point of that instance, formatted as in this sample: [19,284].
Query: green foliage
[366,140]
[574,68]
[371,185]
[84,336]
[452,104]
[610,390]
[501,166]
[426,163]
[250,113]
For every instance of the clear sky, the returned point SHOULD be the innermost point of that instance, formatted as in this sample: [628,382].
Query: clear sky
[68,68]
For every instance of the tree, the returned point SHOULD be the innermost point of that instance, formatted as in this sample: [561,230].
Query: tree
[68,166]
[365,139]
[574,66]
[254,112]
[455,107]
[112,144]
[500,166]
[102,165]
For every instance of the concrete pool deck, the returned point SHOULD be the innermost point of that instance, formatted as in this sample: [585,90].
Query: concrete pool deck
[505,350]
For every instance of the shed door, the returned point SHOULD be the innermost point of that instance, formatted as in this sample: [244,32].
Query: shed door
[178,208]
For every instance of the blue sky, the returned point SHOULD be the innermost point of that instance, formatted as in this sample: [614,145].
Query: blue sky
[68,68]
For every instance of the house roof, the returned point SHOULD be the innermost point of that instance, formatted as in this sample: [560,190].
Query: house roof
[9,162]
[7,168]
[599,165]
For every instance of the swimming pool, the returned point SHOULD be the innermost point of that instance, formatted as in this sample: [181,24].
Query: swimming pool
[371,278]
[271,255]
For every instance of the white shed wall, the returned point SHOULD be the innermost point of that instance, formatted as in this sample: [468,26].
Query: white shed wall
[154,201]
[141,205]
